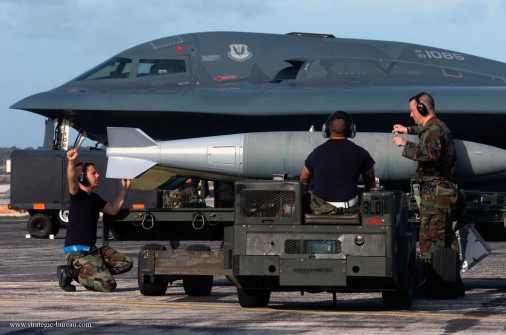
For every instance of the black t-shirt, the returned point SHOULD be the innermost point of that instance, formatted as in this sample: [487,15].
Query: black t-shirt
[336,166]
[83,218]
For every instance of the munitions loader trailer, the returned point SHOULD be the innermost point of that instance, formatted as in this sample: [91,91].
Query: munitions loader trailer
[270,244]
[276,247]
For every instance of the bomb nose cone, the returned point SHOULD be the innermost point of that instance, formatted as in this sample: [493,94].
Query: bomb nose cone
[480,164]
[479,159]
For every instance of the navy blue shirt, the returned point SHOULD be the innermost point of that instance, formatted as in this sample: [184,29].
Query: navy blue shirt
[83,218]
[336,166]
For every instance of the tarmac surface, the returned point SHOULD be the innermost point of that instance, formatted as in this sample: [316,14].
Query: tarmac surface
[31,302]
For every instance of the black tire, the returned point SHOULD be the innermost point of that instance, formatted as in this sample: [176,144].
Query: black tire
[253,298]
[56,226]
[402,299]
[39,226]
[56,223]
[60,219]
[444,276]
[198,285]
[151,285]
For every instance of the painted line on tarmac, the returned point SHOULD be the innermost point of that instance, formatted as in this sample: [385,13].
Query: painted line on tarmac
[30,284]
[153,304]
[51,283]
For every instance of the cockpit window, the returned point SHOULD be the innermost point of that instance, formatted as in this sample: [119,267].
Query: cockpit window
[155,67]
[113,68]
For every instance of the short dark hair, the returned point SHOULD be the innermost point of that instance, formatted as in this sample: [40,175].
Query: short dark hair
[339,123]
[79,164]
[426,99]
[338,127]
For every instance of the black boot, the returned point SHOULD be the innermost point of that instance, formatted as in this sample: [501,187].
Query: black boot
[65,278]
[461,290]
[425,290]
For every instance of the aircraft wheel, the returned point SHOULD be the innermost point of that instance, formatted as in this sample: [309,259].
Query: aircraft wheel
[444,276]
[62,216]
[253,298]
[198,285]
[39,226]
[151,285]
[402,299]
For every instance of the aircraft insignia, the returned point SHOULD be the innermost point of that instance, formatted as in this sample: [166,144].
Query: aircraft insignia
[239,52]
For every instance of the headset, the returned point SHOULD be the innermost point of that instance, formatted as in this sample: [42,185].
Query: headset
[420,106]
[352,128]
[82,178]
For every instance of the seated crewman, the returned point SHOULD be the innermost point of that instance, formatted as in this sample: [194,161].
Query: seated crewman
[336,166]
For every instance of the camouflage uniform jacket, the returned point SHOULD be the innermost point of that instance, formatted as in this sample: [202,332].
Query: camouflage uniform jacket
[435,152]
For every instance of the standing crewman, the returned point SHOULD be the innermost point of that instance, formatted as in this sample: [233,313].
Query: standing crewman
[437,164]
[92,267]
[336,166]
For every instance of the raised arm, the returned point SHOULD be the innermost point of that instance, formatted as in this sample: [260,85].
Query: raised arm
[113,208]
[71,171]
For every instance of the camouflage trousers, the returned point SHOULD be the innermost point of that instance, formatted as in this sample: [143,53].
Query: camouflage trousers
[319,206]
[437,206]
[180,198]
[94,270]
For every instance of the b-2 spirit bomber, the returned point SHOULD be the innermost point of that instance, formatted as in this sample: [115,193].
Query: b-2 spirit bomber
[217,83]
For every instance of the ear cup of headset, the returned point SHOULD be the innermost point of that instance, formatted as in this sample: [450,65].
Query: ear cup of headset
[352,129]
[420,106]
[325,129]
[82,178]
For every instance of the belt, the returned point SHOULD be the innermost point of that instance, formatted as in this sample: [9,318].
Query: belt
[345,204]
[71,248]
[436,181]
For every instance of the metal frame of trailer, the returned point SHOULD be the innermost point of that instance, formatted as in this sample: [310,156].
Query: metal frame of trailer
[269,244]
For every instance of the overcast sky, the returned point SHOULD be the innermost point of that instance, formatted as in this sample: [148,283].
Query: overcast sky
[45,43]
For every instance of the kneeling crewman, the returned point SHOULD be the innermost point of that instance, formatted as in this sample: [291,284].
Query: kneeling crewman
[92,267]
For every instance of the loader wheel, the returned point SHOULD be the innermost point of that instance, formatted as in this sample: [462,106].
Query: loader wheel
[402,299]
[198,285]
[253,298]
[151,285]
[444,275]
[39,226]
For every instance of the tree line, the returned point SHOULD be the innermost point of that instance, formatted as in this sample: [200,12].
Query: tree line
[5,153]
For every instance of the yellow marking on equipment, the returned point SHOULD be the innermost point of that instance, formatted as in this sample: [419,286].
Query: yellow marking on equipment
[152,304]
